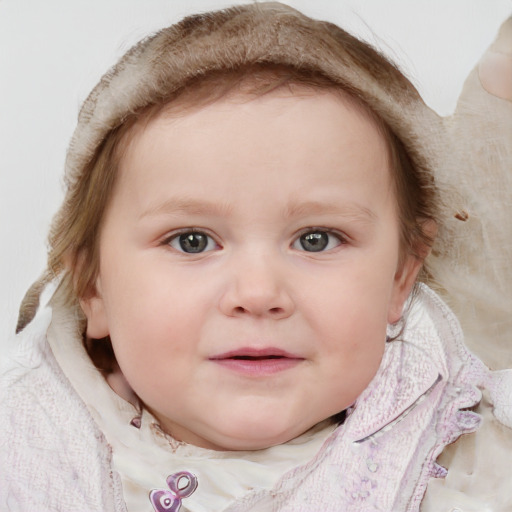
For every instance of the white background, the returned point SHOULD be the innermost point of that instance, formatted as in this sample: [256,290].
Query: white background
[52,52]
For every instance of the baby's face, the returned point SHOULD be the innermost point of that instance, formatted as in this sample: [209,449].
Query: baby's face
[249,264]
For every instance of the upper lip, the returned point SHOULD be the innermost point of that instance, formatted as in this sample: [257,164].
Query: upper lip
[256,353]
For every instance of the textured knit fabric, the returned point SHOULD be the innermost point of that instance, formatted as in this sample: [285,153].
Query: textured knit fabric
[54,456]
[479,473]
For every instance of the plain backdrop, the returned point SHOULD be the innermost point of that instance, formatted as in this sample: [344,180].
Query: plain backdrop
[52,52]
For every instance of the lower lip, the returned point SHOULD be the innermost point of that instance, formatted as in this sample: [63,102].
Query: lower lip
[258,367]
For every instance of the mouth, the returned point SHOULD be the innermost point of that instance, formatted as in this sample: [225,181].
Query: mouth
[257,362]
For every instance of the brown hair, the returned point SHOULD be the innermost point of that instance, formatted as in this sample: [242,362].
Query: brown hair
[252,49]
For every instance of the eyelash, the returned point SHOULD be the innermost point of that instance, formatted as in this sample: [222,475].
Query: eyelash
[341,239]
[320,237]
[190,231]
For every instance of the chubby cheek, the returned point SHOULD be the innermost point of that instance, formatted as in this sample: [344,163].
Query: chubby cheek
[352,361]
[350,365]
[350,306]
[151,327]
[153,358]
[350,321]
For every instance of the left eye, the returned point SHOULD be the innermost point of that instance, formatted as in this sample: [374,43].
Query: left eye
[317,241]
[192,242]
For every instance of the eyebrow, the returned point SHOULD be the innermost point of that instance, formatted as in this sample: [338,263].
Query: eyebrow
[346,209]
[189,206]
[176,206]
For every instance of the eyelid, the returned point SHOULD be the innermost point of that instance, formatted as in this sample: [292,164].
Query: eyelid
[342,237]
[169,237]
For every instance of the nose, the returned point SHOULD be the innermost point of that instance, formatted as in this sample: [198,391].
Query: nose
[258,288]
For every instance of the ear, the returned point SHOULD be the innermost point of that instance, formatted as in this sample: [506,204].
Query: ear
[92,304]
[404,282]
[407,273]
[93,307]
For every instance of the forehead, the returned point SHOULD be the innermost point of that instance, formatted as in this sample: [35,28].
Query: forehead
[251,102]
[245,85]
[284,144]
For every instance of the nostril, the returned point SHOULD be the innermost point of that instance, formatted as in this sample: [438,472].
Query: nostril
[272,311]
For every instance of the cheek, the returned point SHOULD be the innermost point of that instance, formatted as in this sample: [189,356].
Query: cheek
[348,314]
[354,299]
[152,324]
[151,293]
[354,342]
[151,344]
[156,316]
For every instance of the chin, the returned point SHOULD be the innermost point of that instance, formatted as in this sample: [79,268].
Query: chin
[250,438]
[254,444]
[242,445]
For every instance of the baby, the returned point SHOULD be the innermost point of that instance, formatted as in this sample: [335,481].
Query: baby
[231,319]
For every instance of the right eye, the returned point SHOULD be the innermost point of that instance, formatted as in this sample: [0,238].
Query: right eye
[318,240]
[192,242]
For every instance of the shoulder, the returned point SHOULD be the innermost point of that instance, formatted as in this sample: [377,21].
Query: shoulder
[478,467]
[475,466]
[49,443]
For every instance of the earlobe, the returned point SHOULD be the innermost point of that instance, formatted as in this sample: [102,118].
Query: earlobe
[408,271]
[403,285]
[93,307]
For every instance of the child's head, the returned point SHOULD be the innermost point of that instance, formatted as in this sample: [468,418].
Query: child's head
[246,213]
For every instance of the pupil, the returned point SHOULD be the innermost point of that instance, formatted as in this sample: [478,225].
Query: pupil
[193,242]
[314,242]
